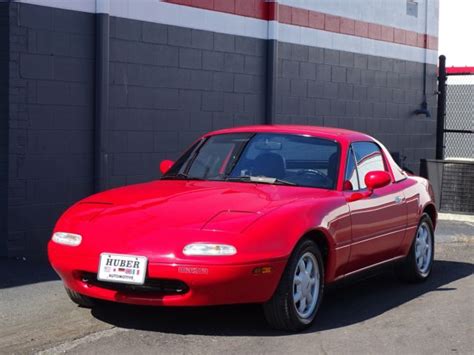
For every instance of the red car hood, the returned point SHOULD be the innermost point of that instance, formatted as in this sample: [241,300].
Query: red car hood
[158,218]
[187,204]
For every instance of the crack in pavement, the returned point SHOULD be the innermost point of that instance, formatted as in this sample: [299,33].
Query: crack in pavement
[87,339]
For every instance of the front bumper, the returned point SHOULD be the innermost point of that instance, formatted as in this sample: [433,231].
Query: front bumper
[206,284]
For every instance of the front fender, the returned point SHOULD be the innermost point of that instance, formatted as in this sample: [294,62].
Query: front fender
[279,231]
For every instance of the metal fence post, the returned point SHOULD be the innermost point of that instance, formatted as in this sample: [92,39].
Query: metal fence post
[441,113]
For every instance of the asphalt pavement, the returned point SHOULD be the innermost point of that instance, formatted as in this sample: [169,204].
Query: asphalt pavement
[373,315]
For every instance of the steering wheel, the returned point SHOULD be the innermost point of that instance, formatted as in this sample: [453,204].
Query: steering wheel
[326,181]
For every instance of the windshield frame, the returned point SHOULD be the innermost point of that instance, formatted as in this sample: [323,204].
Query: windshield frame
[192,152]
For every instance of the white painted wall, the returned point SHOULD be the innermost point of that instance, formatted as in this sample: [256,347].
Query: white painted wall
[76,5]
[185,16]
[342,42]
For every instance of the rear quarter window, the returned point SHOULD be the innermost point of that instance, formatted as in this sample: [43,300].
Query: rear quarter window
[368,158]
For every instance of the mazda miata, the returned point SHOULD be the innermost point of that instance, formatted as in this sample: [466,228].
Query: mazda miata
[257,214]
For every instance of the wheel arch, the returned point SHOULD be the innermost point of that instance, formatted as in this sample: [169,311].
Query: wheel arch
[430,210]
[324,242]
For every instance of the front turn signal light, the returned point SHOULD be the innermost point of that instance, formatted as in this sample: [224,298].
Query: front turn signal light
[262,270]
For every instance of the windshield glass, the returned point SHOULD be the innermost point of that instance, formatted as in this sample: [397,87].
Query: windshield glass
[285,159]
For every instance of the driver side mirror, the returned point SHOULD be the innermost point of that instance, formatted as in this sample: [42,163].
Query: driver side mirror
[166,165]
[377,179]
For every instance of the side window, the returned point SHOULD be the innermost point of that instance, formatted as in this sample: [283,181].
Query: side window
[351,181]
[368,158]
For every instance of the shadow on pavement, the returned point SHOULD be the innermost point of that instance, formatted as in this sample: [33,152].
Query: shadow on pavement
[18,272]
[344,304]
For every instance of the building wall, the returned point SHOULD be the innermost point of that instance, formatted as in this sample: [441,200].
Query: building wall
[4,45]
[51,115]
[178,71]
[169,85]
[372,94]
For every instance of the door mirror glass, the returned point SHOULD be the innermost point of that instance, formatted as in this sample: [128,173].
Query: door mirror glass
[166,165]
[377,179]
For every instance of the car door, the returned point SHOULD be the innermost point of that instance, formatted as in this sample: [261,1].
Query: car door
[379,220]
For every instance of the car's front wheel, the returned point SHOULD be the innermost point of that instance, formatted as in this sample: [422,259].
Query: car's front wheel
[81,300]
[296,300]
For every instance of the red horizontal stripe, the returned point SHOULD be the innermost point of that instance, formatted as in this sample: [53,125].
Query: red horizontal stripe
[460,70]
[249,8]
[272,11]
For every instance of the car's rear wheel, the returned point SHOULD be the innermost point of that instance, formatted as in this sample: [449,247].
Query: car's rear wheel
[81,300]
[296,300]
[416,267]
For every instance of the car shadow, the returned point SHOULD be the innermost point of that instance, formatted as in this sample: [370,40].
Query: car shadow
[344,304]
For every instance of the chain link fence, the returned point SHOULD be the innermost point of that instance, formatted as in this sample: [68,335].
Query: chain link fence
[452,172]
[459,123]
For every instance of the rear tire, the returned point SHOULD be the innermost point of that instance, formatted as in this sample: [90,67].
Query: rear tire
[296,300]
[416,267]
[81,300]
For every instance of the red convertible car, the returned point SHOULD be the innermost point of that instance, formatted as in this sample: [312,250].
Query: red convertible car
[258,214]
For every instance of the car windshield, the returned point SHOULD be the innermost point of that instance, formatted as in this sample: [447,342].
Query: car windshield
[266,158]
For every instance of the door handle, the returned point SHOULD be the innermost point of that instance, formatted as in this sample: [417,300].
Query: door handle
[399,199]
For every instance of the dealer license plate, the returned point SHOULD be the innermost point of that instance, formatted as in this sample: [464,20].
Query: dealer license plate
[128,269]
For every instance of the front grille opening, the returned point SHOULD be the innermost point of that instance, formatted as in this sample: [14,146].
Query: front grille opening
[151,286]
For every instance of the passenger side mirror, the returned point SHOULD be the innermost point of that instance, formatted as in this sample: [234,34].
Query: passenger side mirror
[377,179]
[166,165]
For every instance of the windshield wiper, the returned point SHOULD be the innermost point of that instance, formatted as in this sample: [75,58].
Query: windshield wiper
[260,179]
[180,176]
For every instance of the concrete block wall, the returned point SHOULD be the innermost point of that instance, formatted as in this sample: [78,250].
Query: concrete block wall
[51,101]
[372,94]
[169,85]
[4,59]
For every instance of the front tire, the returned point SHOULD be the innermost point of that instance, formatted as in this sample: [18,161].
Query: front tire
[416,267]
[81,300]
[296,300]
